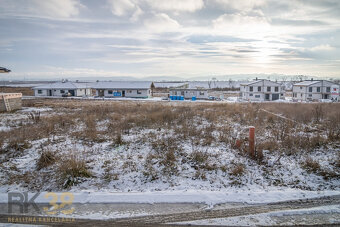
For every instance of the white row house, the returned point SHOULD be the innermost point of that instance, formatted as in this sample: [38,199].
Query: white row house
[261,90]
[123,89]
[314,90]
[188,93]
[65,88]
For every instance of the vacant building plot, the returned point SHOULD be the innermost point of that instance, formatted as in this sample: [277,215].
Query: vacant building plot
[136,146]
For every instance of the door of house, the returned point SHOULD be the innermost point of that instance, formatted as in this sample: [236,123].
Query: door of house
[275,97]
[49,92]
[123,93]
[101,93]
[267,97]
[72,93]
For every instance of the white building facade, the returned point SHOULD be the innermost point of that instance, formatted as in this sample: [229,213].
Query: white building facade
[66,89]
[261,90]
[315,90]
[188,93]
[120,89]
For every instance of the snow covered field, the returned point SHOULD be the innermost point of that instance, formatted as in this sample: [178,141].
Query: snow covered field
[163,150]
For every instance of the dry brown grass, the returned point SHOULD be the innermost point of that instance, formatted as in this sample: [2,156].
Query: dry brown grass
[47,158]
[27,91]
[71,169]
[311,165]
[202,124]
[237,170]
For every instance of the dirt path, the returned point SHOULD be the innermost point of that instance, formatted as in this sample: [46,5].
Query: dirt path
[155,220]
[232,212]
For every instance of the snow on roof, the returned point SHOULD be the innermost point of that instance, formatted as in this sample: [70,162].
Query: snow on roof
[256,81]
[250,82]
[168,84]
[310,82]
[122,85]
[208,84]
[63,85]
[307,82]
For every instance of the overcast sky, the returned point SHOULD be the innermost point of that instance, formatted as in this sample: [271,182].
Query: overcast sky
[185,38]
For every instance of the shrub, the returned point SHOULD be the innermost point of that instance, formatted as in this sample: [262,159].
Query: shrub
[311,165]
[169,161]
[270,145]
[237,170]
[118,140]
[149,171]
[46,159]
[318,113]
[72,169]
[199,158]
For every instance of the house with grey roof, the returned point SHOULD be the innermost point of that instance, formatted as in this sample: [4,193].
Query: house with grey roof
[315,90]
[130,89]
[261,90]
[63,89]
[188,91]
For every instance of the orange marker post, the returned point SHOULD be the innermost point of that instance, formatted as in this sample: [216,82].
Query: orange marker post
[252,140]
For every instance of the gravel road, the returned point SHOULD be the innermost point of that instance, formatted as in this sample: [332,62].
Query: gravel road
[198,213]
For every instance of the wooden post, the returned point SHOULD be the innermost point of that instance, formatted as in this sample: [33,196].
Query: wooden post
[252,140]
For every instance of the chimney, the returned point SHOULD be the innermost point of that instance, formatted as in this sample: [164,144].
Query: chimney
[312,79]
[256,79]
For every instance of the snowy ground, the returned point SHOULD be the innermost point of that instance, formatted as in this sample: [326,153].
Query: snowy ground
[312,216]
[20,117]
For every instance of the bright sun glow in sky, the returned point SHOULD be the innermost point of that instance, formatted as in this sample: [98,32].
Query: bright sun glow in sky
[169,38]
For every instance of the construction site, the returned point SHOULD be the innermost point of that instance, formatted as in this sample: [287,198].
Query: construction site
[10,101]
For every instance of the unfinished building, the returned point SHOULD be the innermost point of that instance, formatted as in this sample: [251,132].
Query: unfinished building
[10,101]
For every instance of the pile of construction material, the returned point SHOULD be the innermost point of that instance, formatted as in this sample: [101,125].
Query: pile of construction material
[10,101]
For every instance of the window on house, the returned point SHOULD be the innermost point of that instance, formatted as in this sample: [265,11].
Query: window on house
[130,91]
[258,88]
[110,92]
[300,88]
[139,92]
[182,92]
[39,91]
[276,89]
[268,89]
[251,88]
[62,91]
[201,92]
[328,89]
[257,96]
[81,89]
[310,95]
[250,94]
[318,89]
[310,89]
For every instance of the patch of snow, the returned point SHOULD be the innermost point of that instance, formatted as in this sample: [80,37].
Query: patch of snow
[188,196]
[35,109]
[264,219]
